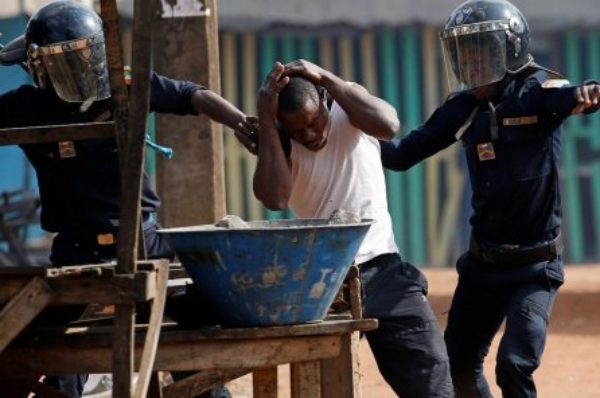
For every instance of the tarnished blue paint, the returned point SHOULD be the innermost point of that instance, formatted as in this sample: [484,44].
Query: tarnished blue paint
[274,273]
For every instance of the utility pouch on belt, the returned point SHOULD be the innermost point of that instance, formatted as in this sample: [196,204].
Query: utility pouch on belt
[510,256]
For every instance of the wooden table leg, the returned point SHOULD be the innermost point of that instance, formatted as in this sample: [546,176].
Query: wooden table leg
[340,376]
[265,383]
[153,333]
[305,379]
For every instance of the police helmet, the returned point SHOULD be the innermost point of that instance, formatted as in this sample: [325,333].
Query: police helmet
[482,41]
[65,47]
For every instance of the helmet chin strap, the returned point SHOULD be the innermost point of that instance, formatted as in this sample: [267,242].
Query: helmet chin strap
[521,68]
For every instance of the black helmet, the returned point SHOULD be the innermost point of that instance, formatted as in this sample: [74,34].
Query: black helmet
[482,41]
[65,43]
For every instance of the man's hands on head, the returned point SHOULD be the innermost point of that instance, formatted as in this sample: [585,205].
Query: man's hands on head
[268,93]
[306,69]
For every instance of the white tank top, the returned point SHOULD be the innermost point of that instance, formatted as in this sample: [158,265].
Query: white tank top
[345,174]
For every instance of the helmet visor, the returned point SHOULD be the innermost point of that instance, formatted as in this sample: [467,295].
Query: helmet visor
[78,69]
[473,59]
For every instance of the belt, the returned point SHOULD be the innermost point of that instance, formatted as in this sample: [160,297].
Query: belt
[514,256]
[107,237]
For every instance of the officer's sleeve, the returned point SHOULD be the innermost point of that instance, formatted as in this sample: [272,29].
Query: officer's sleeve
[434,135]
[553,98]
[172,96]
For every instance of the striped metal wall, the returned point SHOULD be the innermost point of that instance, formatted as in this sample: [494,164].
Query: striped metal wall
[430,203]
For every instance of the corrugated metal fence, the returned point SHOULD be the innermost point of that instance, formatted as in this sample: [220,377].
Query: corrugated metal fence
[430,203]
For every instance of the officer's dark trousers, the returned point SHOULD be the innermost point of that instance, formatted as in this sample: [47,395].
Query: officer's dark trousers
[408,345]
[485,296]
[80,249]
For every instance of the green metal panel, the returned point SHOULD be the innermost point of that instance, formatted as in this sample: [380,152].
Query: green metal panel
[287,49]
[572,190]
[389,90]
[411,114]
[307,49]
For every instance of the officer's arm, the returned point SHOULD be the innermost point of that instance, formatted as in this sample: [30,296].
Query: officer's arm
[272,182]
[366,112]
[437,133]
[559,99]
[187,98]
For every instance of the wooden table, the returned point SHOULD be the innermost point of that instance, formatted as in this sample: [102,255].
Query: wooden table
[323,356]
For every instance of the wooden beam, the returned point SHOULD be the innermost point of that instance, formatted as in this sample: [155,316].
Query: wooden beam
[153,333]
[191,355]
[191,186]
[69,132]
[197,384]
[119,289]
[264,383]
[305,379]
[20,311]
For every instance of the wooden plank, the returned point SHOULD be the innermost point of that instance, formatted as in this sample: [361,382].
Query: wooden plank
[192,186]
[173,334]
[340,376]
[84,290]
[305,379]
[129,211]
[55,133]
[17,314]
[121,355]
[197,384]
[153,333]
[132,153]
[264,382]
[70,357]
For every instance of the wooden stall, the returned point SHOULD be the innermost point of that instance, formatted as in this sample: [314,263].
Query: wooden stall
[323,356]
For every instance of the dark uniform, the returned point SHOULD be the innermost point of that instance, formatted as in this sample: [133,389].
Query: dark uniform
[507,111]
[513,267]
[79,181]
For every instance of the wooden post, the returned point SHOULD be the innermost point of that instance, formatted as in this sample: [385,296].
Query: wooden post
[191,185]
[340,376]
[264,383]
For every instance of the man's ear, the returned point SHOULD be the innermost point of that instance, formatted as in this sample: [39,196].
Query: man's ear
[324,96]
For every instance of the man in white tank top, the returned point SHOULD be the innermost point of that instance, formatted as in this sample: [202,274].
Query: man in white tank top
[318,152]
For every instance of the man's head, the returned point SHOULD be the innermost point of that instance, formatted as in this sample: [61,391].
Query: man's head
[65,48]
[482,41]
[303,113]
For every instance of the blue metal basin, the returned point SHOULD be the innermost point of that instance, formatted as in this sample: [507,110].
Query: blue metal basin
[274,272]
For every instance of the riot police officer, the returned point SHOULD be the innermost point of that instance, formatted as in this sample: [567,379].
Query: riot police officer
[507,112]
[79,181]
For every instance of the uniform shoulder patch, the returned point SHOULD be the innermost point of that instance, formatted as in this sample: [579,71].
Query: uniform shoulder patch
[555,83]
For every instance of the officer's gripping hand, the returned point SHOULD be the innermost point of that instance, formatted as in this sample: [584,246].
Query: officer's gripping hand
[246,131]
[587,97]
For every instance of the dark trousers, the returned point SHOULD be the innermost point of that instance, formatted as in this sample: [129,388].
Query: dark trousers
[408,345]
[486,296]
[78,250]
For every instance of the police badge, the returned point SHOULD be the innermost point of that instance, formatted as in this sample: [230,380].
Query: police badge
[485,151]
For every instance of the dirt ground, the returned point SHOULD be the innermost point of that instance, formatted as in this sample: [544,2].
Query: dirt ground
[571,363]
